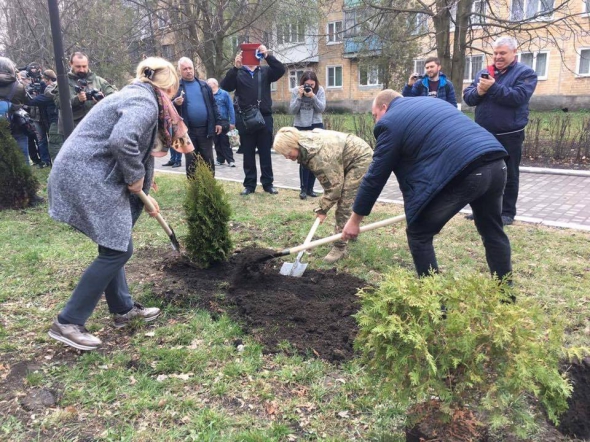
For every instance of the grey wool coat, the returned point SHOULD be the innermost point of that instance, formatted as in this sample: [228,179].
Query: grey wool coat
[108,150]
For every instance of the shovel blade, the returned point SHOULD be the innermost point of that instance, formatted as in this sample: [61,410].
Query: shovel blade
[293,269]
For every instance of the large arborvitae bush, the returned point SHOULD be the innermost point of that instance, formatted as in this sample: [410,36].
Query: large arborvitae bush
[208,213]
[18,185]
[488,355]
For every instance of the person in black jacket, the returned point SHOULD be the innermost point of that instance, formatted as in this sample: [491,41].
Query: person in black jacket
[196,104]
[244,80]
[442,161]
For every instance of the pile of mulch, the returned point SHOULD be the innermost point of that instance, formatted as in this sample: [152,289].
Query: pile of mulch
[309,315]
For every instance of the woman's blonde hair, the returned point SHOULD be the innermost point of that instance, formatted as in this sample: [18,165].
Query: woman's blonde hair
[287,138]
[158,72]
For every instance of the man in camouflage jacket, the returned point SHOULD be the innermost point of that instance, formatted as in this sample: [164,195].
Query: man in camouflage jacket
[339,162]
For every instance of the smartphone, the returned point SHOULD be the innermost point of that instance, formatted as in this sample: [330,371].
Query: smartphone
[182,93]
[485,75]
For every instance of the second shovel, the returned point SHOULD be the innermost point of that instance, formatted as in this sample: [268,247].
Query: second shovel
[297,268]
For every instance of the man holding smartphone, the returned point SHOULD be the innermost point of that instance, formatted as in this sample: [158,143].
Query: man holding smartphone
[501,93]
[432,84]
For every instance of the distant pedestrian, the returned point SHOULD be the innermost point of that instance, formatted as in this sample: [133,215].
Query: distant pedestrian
[433,83]
[308,102]
[226,110]
[501,94]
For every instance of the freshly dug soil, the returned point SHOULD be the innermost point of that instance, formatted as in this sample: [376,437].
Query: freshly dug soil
[311,314]
[576,420]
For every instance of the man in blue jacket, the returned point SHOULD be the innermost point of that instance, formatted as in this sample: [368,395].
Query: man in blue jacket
[433,84]
[443,161]
[501,94]
[195,103]
[226,110]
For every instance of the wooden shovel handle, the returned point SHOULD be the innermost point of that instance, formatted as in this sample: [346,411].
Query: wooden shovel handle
[150,207]
[330,239]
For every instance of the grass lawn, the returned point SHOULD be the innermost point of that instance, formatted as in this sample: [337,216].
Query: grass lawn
[181,378]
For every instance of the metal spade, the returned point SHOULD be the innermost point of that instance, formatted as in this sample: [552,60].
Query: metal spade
[297,268]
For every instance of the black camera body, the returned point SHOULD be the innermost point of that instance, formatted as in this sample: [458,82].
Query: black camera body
[307,88]
[418,77]
[82,86]
[485,75]
[35,87]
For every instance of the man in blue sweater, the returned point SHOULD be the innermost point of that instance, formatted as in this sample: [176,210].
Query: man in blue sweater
[195,103]
[443,161]
[501,94]
[433,84]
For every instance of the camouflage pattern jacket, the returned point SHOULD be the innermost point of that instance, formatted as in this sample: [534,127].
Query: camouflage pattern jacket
[334,157]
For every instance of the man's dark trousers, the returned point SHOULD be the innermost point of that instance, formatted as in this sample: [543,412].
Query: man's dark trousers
[513,145]
[203,147]
[482,189]
[223,149]
[263,141]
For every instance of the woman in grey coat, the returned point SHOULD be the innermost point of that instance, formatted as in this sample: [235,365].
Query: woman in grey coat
[101,167]
[308,102]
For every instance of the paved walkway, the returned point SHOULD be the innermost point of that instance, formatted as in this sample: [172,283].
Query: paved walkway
[553,197]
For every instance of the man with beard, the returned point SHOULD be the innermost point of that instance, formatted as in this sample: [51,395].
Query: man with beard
[86,88]
[434,83]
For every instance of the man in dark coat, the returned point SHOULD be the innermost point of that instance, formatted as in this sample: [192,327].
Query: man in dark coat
[501,93]
[196,104]
[443,161]
[245,80]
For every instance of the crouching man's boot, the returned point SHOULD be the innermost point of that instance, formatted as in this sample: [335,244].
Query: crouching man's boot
[339,251]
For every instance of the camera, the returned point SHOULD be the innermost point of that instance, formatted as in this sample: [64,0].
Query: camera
[418,77]
[307,88]
[35,87]
[485,75]
[90,93]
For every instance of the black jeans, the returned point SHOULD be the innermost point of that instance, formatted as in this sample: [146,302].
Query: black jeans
[513,145]
[223,149]
[306,176]
[482,189]
[203,148]
[248,144]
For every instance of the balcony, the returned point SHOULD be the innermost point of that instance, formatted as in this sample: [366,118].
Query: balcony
[354,47]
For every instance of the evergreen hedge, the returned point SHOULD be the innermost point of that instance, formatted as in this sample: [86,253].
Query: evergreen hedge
[17,183]
[207,213]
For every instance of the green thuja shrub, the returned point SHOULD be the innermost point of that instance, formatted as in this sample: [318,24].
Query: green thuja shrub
[207,212]
[17,182]
[488,355]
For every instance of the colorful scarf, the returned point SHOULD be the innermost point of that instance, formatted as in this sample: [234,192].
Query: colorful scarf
[172,132]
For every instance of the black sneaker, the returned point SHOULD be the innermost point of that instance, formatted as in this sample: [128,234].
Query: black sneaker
[506,220]
[169,163]
[302,195]
[272,190]
[469,217]
[177,165]
[246,191]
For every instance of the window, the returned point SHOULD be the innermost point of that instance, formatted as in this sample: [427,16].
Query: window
[419,66]
[369,76]
[587,6]
[168,52]
[273,86]
[536,61]
[478,13]
[473,65]
[334,76]
[291,33]
[335,31]
[524,9]
[418,24]
[294,77]
[584,62]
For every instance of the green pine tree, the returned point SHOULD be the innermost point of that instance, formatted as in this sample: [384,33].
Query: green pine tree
[17,182]
[208,212]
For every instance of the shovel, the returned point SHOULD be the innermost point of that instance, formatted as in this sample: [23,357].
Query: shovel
[330,239]
[143,197]
[297,268]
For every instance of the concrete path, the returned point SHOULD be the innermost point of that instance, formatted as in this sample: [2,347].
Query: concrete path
[553,197]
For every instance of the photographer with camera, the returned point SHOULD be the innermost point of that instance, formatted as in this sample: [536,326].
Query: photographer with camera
[501,93]
[86,88]
[308,102]
[49,114]
[38,144]
[432,84]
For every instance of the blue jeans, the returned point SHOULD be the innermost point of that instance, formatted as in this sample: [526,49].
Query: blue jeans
[42,143]
[482,189]
[175,157]
[105,275]
[22,141]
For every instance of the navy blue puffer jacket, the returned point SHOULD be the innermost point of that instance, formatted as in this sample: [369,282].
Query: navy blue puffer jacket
[505,106]
[426,143]
[445,91]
